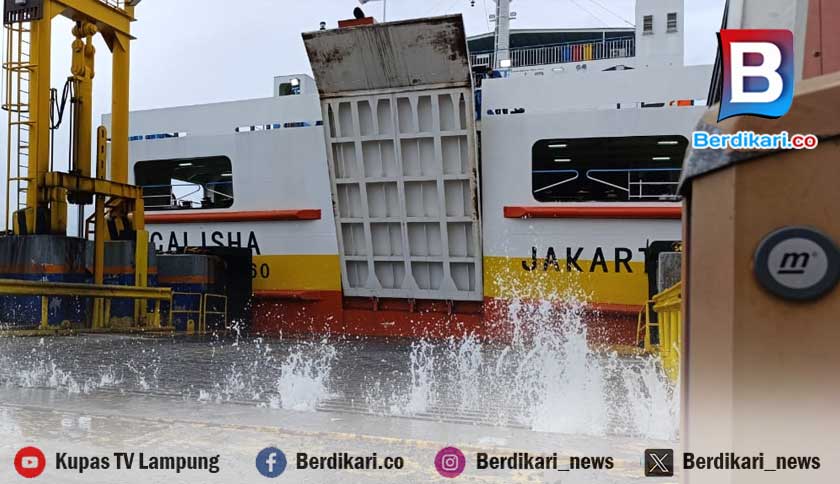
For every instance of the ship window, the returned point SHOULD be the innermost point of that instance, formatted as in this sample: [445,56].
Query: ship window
[624,169]
[291,88]
[187,183]
[647,24]
[672,22]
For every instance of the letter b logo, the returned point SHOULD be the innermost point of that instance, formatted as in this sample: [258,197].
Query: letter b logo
[758,73]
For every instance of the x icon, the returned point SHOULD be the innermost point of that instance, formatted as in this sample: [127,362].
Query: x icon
[659,462]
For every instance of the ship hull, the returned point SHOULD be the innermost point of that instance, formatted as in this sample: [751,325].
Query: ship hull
[324,313]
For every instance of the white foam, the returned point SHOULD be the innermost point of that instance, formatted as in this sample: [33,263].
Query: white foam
[548,378]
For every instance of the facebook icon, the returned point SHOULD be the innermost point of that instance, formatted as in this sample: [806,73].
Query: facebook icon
[271,462]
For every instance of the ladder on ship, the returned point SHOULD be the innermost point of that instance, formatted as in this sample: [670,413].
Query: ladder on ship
[17,69]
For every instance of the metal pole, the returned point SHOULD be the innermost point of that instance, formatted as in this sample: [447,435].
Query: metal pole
[99,260]
[39,114]
[80,230]
[121,50]
[384,10]
[502,41]
[45,312]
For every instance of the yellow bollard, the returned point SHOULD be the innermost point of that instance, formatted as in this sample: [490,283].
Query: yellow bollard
[156,315]
[106,318]
[45,312]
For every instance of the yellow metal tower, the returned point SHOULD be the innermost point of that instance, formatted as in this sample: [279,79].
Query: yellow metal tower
[37,197]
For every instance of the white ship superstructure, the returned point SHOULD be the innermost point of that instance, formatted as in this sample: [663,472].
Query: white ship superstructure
[422,186]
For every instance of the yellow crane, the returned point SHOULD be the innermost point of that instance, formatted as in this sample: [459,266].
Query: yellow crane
[37,198]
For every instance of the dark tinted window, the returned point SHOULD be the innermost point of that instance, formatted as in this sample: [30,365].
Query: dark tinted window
[637,168]
[672,22]
[188,183]
[647,24]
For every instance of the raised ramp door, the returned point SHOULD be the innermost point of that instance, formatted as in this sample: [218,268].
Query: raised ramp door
[398,116]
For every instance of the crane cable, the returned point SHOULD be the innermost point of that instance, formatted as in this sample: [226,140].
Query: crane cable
[588,11]
[57,109]
[604,7]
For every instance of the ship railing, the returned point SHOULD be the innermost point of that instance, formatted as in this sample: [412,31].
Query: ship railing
[168,200]
[641,183]
[561,53]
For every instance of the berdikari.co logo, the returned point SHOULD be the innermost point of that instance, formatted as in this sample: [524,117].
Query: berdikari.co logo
[758,73]
[758,77]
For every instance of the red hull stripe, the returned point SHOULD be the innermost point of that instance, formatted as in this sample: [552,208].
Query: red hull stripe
[594,212]
[327,312]
[250,216]
[289,295]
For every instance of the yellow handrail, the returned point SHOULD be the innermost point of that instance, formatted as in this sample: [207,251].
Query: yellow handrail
[668,308]
[199,312]
[45,290]
[200,323]
[222,313]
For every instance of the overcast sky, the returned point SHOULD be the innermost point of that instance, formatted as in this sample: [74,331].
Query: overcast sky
[200,51]
[233,49]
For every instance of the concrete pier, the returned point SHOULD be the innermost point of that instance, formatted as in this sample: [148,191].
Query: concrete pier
[761,300]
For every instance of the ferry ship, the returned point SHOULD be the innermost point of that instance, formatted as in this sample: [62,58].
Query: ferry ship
[421,180]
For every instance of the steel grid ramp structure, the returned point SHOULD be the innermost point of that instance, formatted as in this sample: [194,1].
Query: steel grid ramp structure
[397,105]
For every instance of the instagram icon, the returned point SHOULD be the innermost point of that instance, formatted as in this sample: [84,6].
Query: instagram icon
[450,462]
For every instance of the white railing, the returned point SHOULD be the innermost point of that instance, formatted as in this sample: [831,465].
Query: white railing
[562,53]
[190,195]
[118,4]
[641,183]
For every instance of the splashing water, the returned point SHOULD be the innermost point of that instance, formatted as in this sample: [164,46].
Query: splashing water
[419,396]
[303,381]
[546,378]
[652,405]
[48,374]
[562,379]
[218,371]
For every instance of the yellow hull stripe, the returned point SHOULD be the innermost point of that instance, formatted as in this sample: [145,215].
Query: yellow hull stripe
[296,272]
[505,278]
